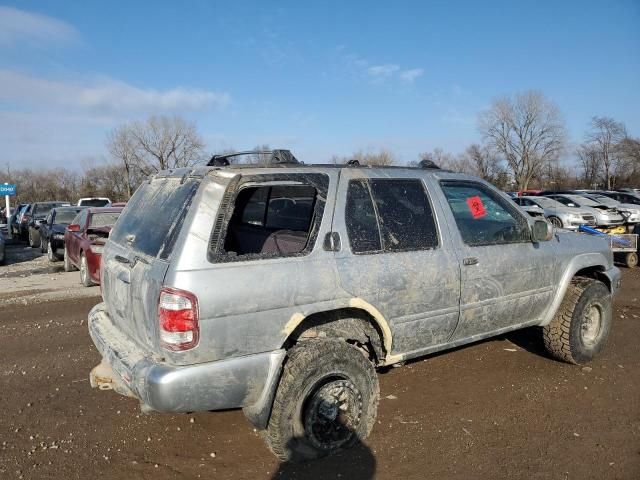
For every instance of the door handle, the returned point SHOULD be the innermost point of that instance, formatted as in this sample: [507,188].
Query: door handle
[470,261]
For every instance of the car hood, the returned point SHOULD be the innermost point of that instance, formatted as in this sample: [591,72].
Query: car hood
[579,243]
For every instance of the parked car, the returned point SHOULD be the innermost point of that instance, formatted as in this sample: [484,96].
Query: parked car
[94,202]
[558,214]
[281,290]
[52,231]
[84,240]
[622,197]
[629,211]
[30,223]
[13,224]
[605,216]
[2,249]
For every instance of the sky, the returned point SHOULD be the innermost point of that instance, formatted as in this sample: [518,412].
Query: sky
[320,78]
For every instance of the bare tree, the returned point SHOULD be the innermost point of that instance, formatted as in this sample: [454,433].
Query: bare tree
[485,163]
[381,158]
[166,142]
[528,130]
[122,146]
[605,137]
[589,161]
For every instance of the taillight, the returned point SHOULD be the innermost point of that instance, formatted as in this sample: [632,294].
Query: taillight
[178,318]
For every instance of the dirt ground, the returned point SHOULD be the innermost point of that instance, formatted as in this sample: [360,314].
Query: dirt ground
[497,409]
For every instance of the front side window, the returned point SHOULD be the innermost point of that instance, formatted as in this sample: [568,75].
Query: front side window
[389,215]
[482,216]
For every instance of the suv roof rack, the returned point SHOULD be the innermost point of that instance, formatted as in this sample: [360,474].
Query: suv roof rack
[276,157]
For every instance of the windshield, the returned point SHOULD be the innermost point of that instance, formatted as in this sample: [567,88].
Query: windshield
[604,200]
[547,202]
[106,219]
[65,217]
[583,201]
[42,209]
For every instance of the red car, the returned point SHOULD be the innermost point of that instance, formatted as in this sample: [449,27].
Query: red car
[84,240]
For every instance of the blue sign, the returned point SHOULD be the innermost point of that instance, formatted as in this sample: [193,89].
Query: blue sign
[6,189]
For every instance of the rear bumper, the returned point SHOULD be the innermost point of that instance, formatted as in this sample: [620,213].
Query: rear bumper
[247,381]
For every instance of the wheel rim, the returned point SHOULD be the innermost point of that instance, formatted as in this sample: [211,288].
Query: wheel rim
[332,414]
[591,325]
[556,222]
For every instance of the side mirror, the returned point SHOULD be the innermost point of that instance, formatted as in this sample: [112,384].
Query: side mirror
[542,231]
[74,227]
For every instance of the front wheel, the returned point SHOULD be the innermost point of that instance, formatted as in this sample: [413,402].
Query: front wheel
[326,401]
[580,329]
[556,222]
[85,277]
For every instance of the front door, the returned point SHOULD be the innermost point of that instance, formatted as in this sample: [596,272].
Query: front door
[394,256]
[507,279]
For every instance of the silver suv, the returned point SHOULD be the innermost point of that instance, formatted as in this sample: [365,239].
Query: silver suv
[281,289]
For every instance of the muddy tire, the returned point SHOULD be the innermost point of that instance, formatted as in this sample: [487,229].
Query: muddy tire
[581,326]
[631,260]
[68,266]
[326,401]
[85,277]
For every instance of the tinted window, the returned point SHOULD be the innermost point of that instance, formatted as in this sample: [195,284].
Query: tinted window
[404,214]
[154,216]
[94,202]
[482,216]
[360,216]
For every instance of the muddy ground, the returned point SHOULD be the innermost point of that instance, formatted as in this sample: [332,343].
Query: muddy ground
[497,409]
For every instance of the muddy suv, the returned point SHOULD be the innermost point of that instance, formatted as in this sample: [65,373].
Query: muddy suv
[281,288]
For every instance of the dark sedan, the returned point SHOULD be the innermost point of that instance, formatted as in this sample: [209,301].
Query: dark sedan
[52,231]
[30,225]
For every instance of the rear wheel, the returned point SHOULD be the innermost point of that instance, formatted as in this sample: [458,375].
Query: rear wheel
[556,222]
[85,277]
[326,401]
[43,245]
[32,239]
[68,266]
[581,326]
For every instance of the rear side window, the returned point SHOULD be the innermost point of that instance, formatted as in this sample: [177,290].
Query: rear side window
[482,216]
[389,215]
[154,215]
[362,224]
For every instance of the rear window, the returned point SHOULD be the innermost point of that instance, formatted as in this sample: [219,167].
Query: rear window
[154,215]
[105,219]
[65,217]
[94,202]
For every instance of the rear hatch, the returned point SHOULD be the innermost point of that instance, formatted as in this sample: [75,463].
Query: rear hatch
[137,254]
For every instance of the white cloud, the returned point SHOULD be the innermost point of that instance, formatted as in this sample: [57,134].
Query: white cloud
[382,71]
[20,27]
[104,95]
[409,76]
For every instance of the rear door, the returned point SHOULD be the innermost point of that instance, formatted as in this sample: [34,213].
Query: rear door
[396,257]
[137,254]
[72,243]
[506,278]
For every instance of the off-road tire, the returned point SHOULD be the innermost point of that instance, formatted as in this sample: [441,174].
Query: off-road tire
[555,221]
[51,255]
[85,276]
[311,367]
[565,338]
[68,266]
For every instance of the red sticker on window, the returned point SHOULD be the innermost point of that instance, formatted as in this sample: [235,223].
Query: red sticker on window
[476,206]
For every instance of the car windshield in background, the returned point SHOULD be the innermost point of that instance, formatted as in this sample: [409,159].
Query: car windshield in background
[547,202]
[43,209]
[65,217]
[154,216]
[95,202]
[106,219]
[583,201]
[609,202]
